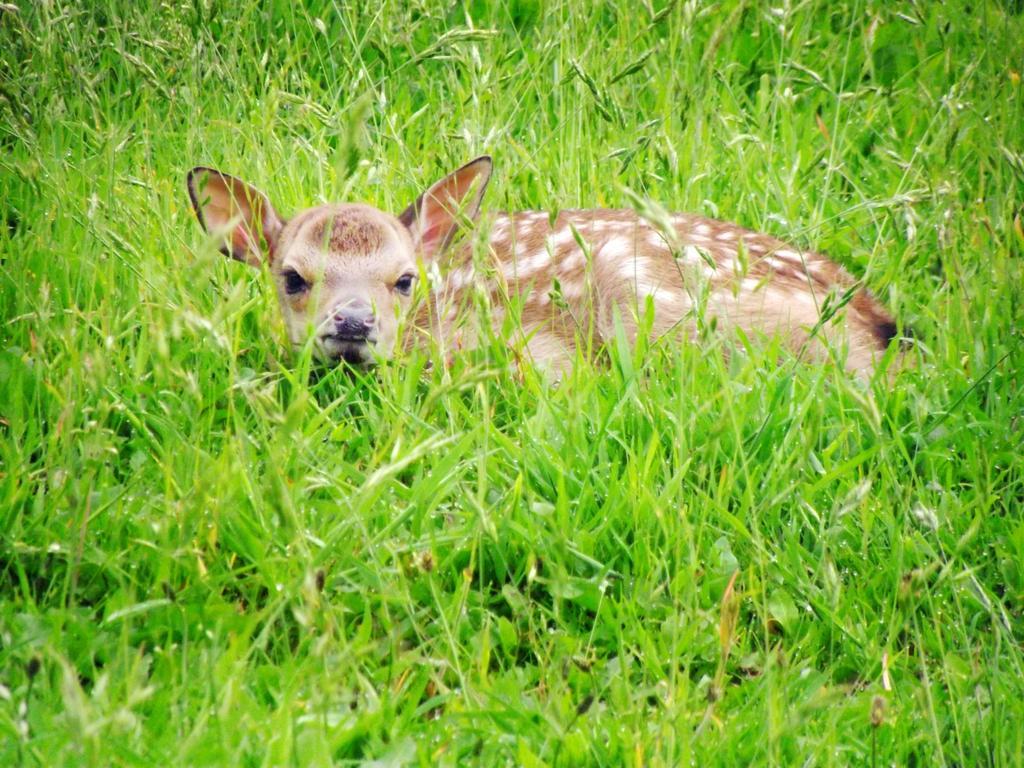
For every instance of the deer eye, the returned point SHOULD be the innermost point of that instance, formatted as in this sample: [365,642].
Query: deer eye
[404,284]
[294,282]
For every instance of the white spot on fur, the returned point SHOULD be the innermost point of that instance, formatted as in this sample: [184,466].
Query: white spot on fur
[699,239]
[779,265]
[500,229]
[538,260]
[644,289]
[561,239]
[573,261]
[460,278]
[524,266]
[610,225]
[726,234]
[691,255]
[618,247]
[669,303]
[572,290]
[750,284]
[703,230]
[811,268]
[656,240]
[696,261]
[633,269]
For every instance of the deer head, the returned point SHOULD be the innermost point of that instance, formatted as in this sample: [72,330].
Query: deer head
[346,273]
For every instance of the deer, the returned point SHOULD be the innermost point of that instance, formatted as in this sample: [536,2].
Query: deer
[347,275]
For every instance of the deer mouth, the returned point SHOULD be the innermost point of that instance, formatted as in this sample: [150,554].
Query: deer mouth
[340,348]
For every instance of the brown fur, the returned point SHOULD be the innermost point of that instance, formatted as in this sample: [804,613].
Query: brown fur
[357,234]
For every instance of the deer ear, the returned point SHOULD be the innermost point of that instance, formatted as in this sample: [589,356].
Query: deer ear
[433,220]
[241,213]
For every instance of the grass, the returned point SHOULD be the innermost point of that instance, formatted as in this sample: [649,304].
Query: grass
[211,556]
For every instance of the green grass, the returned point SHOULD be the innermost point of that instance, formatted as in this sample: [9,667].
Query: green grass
[210,556]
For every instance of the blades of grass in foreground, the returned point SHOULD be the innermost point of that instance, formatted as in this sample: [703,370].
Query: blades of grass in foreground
[215,553]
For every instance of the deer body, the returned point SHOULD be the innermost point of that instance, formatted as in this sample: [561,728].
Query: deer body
[345,274]
[702,269]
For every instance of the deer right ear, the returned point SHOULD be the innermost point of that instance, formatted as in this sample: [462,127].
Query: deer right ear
[240,213]
[433,219]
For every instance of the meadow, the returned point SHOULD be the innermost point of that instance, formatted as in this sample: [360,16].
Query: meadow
[215,552]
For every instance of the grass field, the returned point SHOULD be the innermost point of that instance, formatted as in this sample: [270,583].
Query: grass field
[213,555]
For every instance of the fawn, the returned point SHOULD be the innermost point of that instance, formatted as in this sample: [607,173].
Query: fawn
[346,274]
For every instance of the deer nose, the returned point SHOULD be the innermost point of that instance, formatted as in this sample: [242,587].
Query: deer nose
[354,321]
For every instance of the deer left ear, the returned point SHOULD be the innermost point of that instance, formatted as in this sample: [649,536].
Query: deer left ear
[433,220]
[240,213]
